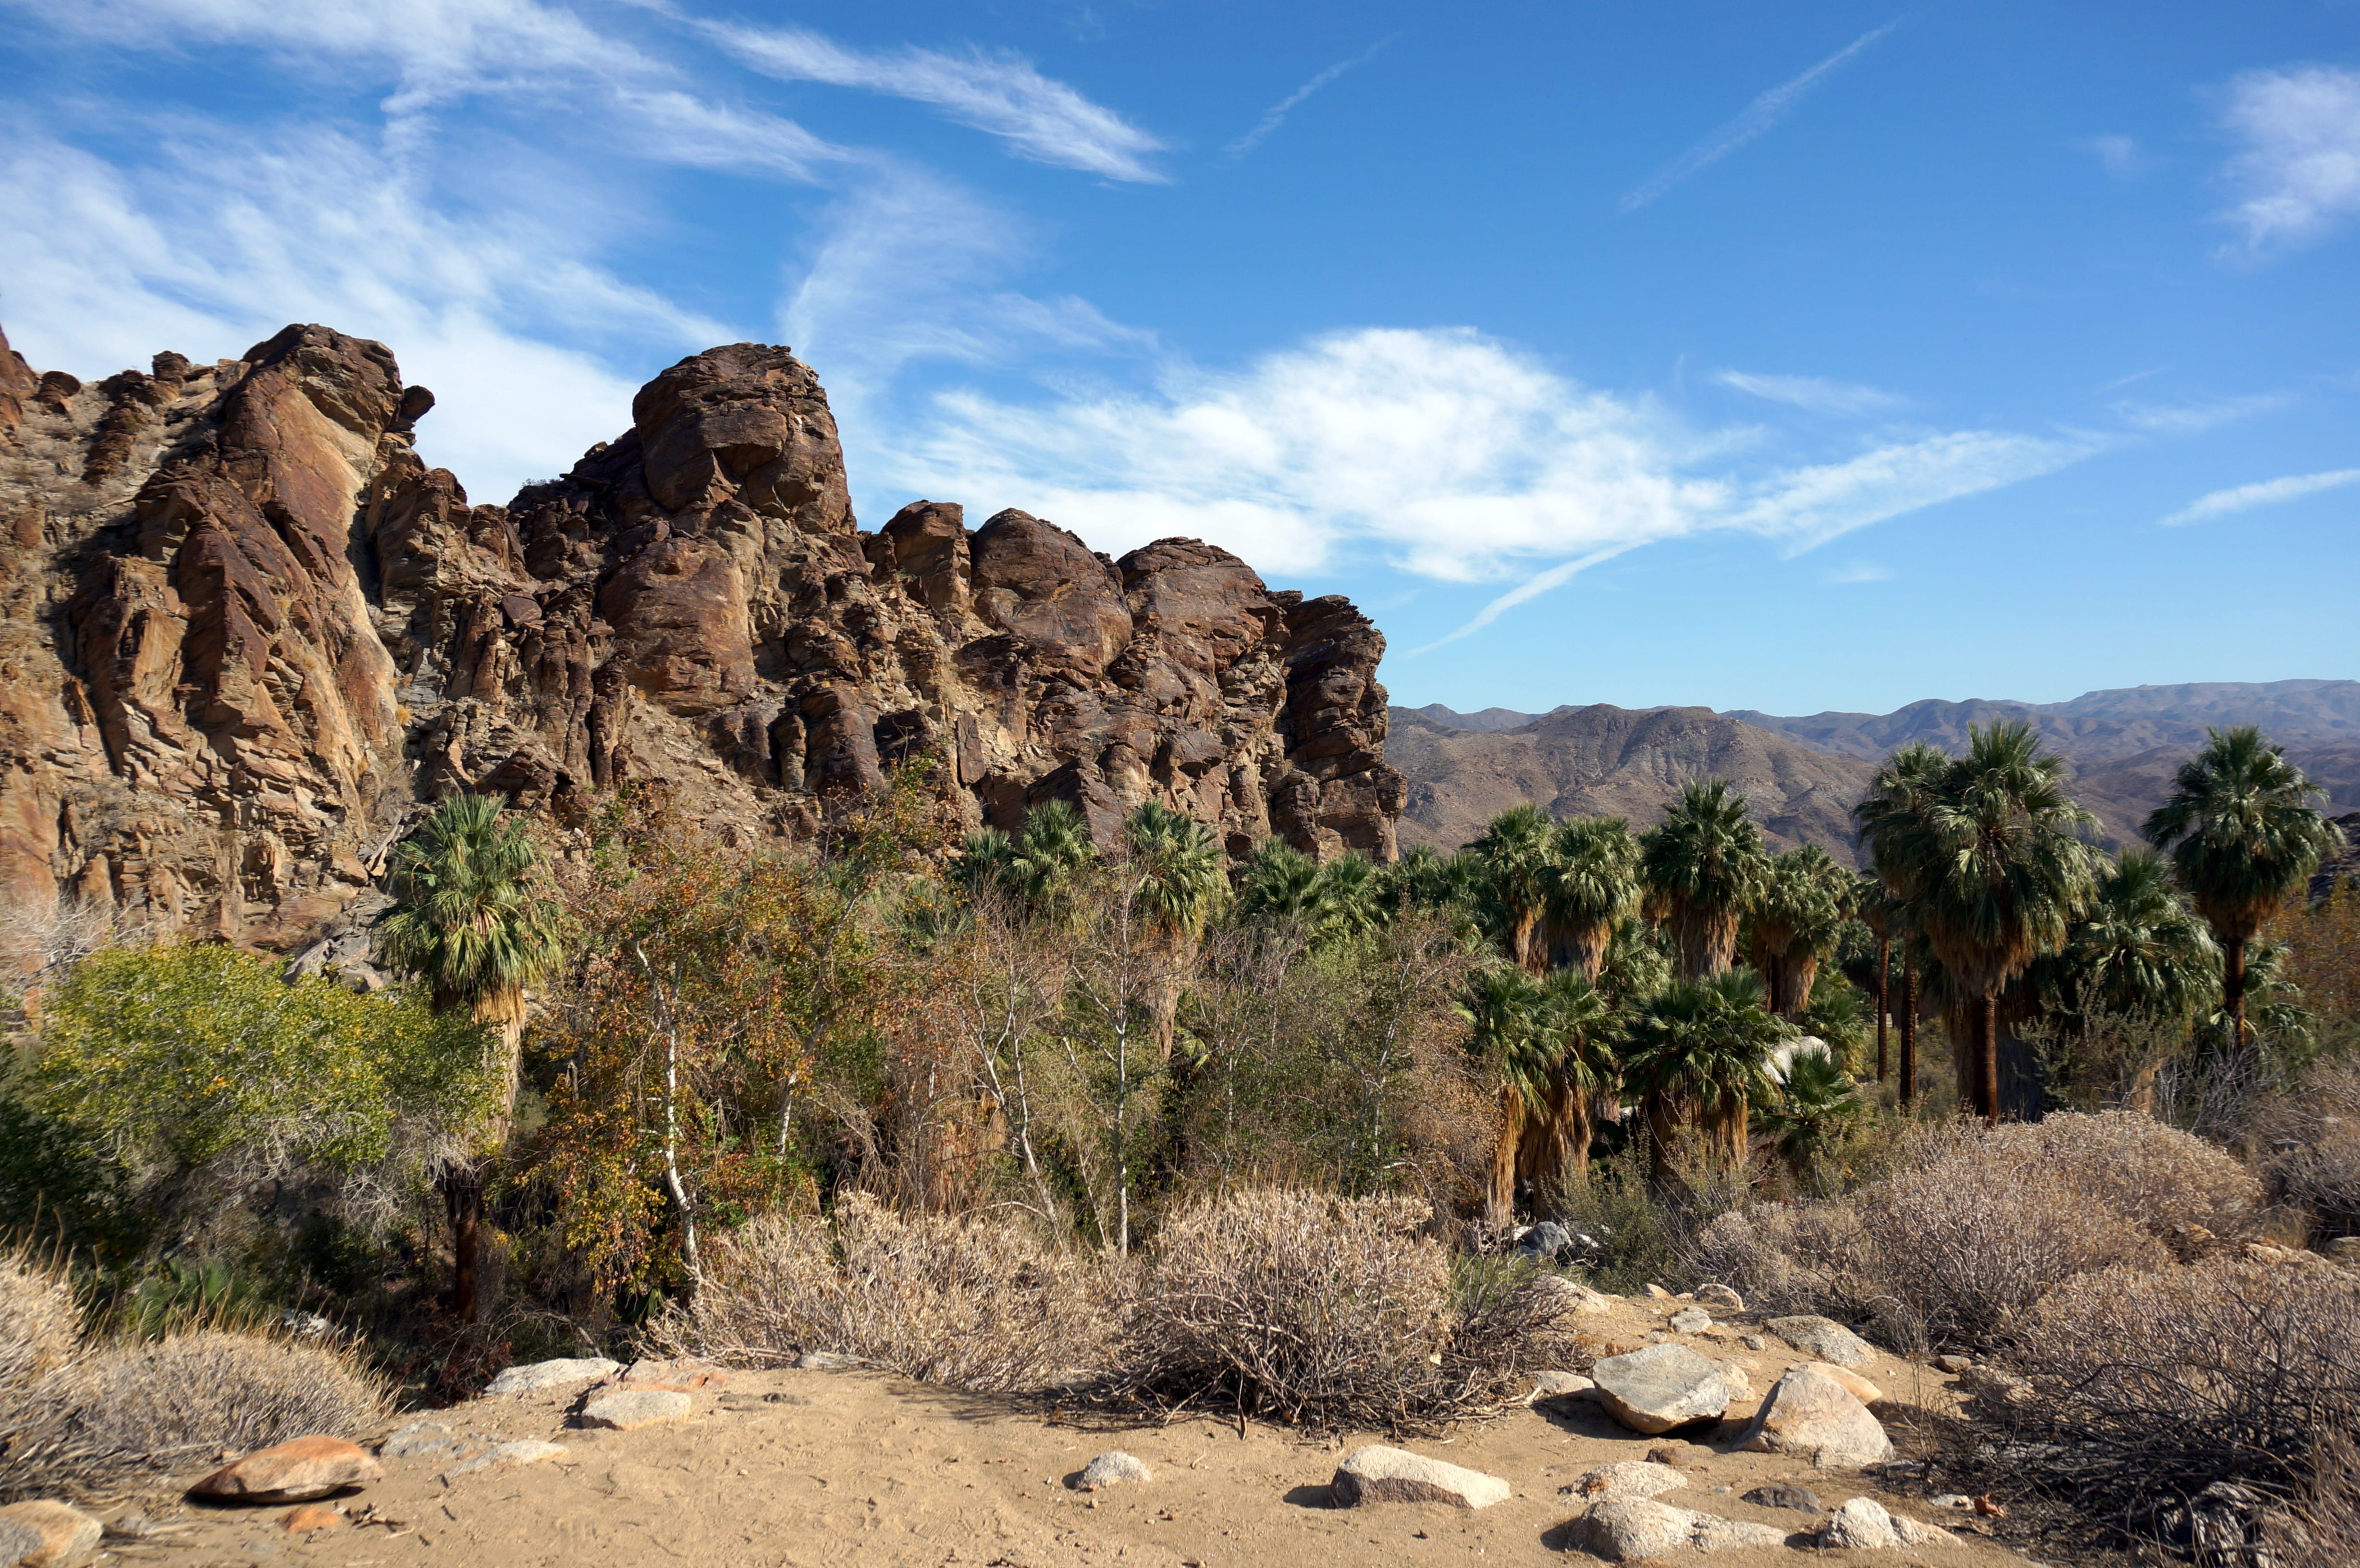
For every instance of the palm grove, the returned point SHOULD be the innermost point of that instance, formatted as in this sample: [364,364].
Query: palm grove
[625,1043]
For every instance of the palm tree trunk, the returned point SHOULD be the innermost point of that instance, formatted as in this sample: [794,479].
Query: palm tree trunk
[1500,1204]
[1988,1057]
[1883,1000]
[1909,1031]
[2232,991]
[463,1202]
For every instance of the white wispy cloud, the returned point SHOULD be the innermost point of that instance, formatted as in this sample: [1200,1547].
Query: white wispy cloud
[1448,454]
[1813,394]
[225,237]
[2118,156]
[1757,118]
[2299,166]
[434,50]
[2267,493]
[998,92]
[1277,115]
[1855,572]
[2193,419]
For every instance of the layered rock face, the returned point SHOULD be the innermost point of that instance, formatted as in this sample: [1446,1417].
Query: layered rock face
[246,635]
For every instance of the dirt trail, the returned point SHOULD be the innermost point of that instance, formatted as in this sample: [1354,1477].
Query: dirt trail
[807,1468]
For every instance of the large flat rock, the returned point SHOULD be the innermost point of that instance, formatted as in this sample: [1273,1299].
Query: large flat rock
[1663,1386]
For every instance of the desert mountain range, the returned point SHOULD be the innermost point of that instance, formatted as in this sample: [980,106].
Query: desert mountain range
[1803,774]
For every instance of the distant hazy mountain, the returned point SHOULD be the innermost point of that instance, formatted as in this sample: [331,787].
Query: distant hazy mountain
[1803,774]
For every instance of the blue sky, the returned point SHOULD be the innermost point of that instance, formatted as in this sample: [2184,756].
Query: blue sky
[1786,357]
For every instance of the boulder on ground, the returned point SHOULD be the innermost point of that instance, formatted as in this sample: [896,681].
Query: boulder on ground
[1810,1413]
[1858,1387]
[1548,1239]
[1825,1338]
[631,1409]
[1571,1295]
[1776,1495]
[681,1375]
[1691,1320]
[1863,1525]
[296,1472]
[1954,1364]
[828,1361]
[1627,1478]
[1547,1385]
[1720,1296]
[505,1454]
[2344,1250]
[553,1374]
[45,1534]
[1381,1474]
[1734,1376]
[1114,1468]
[1627,1530]
[1659,1388]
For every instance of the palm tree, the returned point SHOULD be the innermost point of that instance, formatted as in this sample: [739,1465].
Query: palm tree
[1805,899]
[1182,879]
[1579,1029]
[1503,1004]
[1699,1054]
[1702,865]
[466,920]
[1518,851]
[1035,867]
[1987,858]
[1593,885]
[1817,1104]
[2140,949]
[2244,838]
[1348,892]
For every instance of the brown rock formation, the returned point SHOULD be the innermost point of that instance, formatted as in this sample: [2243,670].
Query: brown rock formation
[246,635]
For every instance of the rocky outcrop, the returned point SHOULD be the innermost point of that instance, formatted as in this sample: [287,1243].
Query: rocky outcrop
[247,635]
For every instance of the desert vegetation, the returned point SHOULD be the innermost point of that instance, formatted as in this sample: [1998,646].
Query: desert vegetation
[1090,1105]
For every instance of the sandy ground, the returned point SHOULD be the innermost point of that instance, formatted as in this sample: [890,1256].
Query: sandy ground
[805,1468]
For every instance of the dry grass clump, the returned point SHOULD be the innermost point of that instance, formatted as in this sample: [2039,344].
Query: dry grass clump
[2318,1529]
[2311,1150]
[39,1324]
[965,1303]
[116,1413]
[1331,1311]
[1975,1226]
[2165,1382]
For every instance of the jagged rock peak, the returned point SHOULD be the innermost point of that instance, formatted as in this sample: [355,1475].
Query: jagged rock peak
[249,635]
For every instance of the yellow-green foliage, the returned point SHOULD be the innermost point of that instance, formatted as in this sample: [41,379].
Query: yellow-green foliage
[180,1057]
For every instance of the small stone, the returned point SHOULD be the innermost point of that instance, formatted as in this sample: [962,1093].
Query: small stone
[1754,1342]
[1657,1293]
[1691,1320]
[631,1409]
[1381,1474]
[1825,1338]
[553,1374]
[1628,1530]
[505,1454]
[1720,1296]
[60,1535]
[1627,1478]
[1736,1378]
[1950,1500]
[1114,1468]
[1780,1496]
[1954,1364]
[828,1361]
[1549,1385]
[1864,1525]
[1654,1389]
[1679,1454]
[295,1472]
[311,1517]
[1858,1387]
[1810,1413]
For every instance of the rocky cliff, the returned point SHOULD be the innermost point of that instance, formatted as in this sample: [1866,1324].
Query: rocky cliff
[246,635]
